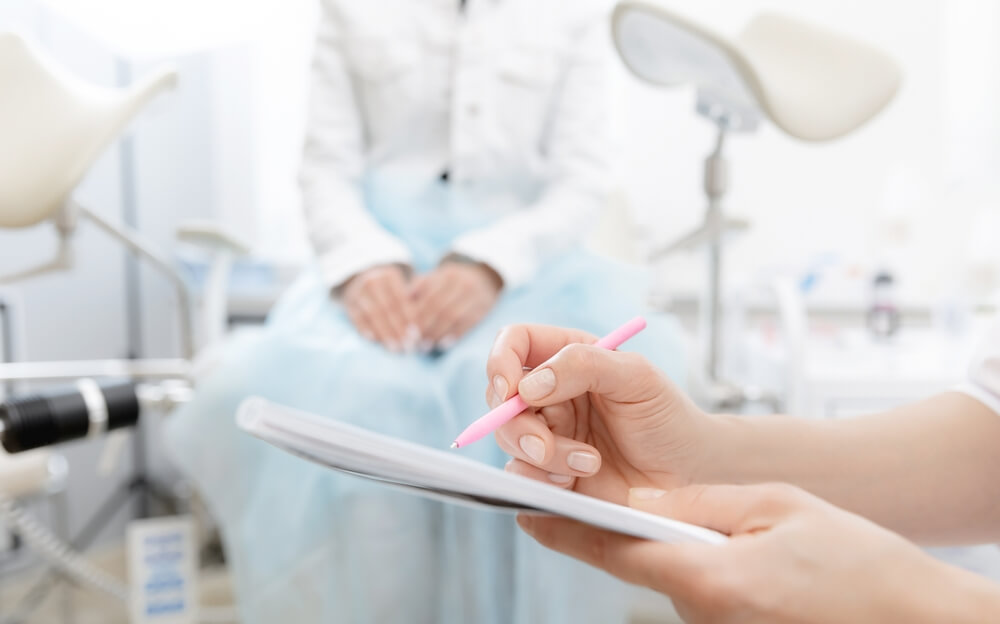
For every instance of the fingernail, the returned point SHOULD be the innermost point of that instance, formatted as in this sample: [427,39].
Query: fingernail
[533,447]
[560,479]
[500,387]
[395,347]
[509,466]
[411,338]
[492,399]
[525,522]
[646,493]
[447,342]
[538,384]
[425,346]
[367,335]
[583,462]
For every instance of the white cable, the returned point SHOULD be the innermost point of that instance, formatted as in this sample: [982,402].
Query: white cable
[57,553]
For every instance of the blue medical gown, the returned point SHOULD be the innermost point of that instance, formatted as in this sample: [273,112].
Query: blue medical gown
[306,544]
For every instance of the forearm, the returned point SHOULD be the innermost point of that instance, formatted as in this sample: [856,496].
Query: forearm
[930,470]
[940,593]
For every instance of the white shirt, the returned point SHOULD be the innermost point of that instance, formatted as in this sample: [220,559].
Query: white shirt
[984,373]
[510,98]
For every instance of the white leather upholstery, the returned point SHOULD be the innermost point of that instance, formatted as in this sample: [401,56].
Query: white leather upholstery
[812,83]
[54,126]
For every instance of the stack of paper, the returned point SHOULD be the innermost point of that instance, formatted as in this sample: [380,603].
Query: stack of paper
[443,475]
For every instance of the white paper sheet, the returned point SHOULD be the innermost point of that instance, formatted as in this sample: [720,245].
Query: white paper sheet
[444,475]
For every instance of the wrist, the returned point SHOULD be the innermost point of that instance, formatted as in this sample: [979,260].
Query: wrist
[931,591]
[958,596]
[338,290]
[718,454]
[489,272]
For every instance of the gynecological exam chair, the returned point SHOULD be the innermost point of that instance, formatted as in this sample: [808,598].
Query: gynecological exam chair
[54,127]
[813,84]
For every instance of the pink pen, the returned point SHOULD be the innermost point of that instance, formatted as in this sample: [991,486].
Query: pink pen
[515,404]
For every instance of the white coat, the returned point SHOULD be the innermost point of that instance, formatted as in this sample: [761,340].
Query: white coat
[508,96]
[984,373]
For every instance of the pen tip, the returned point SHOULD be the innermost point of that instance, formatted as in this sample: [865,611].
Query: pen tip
[454,445]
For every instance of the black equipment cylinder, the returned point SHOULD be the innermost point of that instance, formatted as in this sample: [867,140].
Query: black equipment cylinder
[37,420]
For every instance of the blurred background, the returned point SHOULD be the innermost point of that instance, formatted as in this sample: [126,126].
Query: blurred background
[913,197]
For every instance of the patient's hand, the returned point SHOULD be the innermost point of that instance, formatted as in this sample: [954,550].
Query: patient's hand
[609,416]
[452,299]
[378,304]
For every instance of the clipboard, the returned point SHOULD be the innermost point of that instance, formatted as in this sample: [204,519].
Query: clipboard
[445,476]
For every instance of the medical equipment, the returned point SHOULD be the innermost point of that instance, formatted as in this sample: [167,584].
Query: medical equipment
[55,126]
[883,318]
[87,410]
[813,84]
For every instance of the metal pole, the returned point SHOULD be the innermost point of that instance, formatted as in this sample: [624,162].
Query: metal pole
[133,284]
[716,185]
[131,239]
[7,337]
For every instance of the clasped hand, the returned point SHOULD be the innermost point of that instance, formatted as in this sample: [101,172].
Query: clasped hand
[421,313]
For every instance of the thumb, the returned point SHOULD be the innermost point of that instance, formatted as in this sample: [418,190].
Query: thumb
[729,509]
[578,369]
[416,286]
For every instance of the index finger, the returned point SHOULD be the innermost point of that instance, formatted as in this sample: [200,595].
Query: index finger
[729,509]
[526,346]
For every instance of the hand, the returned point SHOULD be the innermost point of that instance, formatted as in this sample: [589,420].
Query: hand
[792,558]
[379,306]
[610,416]
[451,299]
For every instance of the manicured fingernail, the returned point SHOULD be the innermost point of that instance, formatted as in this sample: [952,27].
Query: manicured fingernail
[537,385]
[509,466]
[500,386]
[560,479]
[533,447]
[425,346]
[646,493]
[492,400]
[583,462]
[411,338]
[367,335]
[447,342]
[525,522]
[395,347]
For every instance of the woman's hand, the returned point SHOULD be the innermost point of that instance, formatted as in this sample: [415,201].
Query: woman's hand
[451,299]
[378,304]
[792,558]
[609,416]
